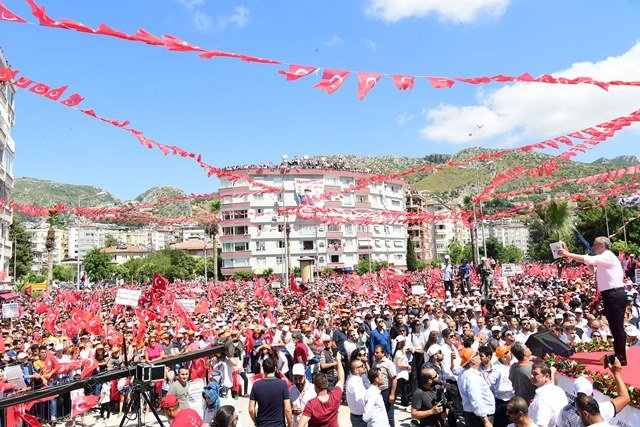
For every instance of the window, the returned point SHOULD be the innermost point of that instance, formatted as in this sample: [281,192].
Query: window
[395,203]
[362,198]
[348,229]
[364,244]
[399,256]
[363,228]
[335,259]
[397,229]
[333,180]
[307,245]
[397,243]
[227,262]
[242,262]
[279,260]
[376,229]
[334,227]
[378,243]
[260,246]
[258,197]
[261,261]
[281,244]
[334,243]
[349,243]
[347,199]
[259,211]
[321,260]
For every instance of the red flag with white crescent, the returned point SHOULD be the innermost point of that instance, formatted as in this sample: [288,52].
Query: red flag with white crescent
[88,365]
[366,81]
[7,15]
[73,100]
[28,418]
[7,74]
[82,404]
[174,43]
[159,281]
[75,25]
[39,12]
[439,82]
[331,80]
[105,30]
[403,82]
[146,37]
[40,89]
[23,82]
[297,71]
[55,94]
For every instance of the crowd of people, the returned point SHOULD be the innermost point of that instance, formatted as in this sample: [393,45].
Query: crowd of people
[306,162]
[456,355]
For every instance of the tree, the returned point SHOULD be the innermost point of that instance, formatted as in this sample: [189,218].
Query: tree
[454,249]
[110,241]
[512,253]
[467,252]
[412,260]
[23,253]
[96,264]
[557,219]
[50,244]
[63,274]
[495,249]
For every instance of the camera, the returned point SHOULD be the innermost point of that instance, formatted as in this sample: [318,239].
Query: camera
[441,399]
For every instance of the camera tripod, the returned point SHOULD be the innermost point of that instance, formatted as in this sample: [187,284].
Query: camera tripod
[139,389]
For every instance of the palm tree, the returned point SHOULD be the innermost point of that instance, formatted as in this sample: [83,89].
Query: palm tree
[211,228]
[50,244]
[557,219]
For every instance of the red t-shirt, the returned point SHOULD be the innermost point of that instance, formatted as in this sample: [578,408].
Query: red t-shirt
[187,418]
[324,414]
[300,351]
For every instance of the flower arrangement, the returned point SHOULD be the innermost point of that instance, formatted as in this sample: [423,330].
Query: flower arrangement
[592,346]
[602,382]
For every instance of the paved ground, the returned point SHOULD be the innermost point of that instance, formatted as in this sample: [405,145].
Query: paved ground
[402,417]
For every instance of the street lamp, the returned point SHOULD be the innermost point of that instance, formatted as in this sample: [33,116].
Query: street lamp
[101,193]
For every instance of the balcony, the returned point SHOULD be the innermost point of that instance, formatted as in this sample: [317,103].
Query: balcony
[334,234]
[235,237]
[335,250]
[228,271]
[227,191]
[363,205]
[335,265]
[333,204]
[235,254]
[365,249]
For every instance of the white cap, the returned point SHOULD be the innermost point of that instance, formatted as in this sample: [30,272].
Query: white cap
[632,331]
[434,349]
[58,347]
[22,355]
[325,338]
[447,257]
[582,385]
[400,338]
[298,369]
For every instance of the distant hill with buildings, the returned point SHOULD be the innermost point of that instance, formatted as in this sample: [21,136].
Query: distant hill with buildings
[450,183]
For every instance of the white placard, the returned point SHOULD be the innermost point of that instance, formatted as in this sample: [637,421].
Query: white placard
[555,247]
[637,276]
[417,289]
[10,310]
[128,297]
[188,304]
[508,270]
[14,375]
[196,402]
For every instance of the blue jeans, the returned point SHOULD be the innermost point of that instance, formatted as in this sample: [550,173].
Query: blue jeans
[390,406]
[356,421]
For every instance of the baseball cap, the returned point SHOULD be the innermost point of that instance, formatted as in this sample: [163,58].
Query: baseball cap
[298,369]
[22,355]
[169,401]
[502,350]
[466,355]
[433,349]
[582,385]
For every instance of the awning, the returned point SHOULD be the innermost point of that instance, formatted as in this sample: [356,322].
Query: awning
[8,296]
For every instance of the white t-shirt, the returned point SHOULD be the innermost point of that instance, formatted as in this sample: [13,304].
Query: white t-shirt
[547,404]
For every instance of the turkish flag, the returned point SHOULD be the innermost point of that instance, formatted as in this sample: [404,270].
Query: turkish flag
[29,419]
[73,100]
[28,405]
[249,58]
[82,404]
[50,322]
[65,368]
[94,325]
[272,318]
[7,15]
[293,284]
[198,369]
[50,362]
[297,71]
[75,25]
[40,89]
[39,12]
[211,53]
[2,347]
[403,82]
[113,336]
[440,82]
[179,310]
[366,81]
[331,80]
[55,94]
[23,82]
[108,31]
[159,282]
[89,365]
[174,43]
[474,80]
[7,74]
[202,307]
[146,37]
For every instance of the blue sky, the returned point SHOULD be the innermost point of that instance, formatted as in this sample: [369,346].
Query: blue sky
[234,112]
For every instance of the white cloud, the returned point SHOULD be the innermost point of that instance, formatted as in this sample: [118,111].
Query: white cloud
[535,111]
[369,44]
[201,20]
[240,18]
[456,11]
[333,41]
[403,119]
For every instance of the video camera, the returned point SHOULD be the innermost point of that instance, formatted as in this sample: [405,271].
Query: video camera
[441,398]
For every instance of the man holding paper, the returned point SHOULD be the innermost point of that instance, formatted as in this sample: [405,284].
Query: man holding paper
[610,284]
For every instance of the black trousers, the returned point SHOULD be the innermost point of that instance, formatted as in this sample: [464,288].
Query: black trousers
[448,286]
[472,420]
[500,418]
[615,303]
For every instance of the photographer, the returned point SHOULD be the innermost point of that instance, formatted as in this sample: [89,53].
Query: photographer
[430,405]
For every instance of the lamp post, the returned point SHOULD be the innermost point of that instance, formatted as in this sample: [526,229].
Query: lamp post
[205,260]
[286,228]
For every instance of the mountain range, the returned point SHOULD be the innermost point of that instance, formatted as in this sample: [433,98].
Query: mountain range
[450,183]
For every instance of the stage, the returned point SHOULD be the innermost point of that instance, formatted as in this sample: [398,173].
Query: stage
[630,415]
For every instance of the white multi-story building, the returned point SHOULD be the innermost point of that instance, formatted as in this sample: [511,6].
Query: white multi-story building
[253,234]
[83,238]
[39,246]
[507,231]
[7,153]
